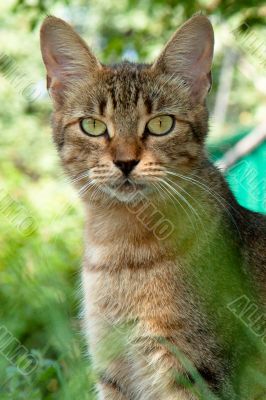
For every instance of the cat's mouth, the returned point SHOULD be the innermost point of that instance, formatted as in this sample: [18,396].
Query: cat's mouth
[128,186]
[126,191]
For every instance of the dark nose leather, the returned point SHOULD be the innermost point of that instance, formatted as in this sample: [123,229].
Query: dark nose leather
[126,166]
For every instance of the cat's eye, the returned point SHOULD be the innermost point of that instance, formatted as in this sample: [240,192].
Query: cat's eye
[160,125]
[93,127]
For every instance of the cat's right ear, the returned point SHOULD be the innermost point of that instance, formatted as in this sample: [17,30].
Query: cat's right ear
[66,56]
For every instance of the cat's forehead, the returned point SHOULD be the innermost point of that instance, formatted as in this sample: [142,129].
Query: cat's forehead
[126,86]
[127,91]
[136,88]
[127,73]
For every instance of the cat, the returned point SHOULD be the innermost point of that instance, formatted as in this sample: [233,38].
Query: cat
[172,262]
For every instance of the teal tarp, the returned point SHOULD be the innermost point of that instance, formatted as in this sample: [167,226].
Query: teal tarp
[247,178]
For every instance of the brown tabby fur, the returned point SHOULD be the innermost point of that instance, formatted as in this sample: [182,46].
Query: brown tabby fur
[155,309]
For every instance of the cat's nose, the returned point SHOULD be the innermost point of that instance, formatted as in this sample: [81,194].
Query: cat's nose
[126,166]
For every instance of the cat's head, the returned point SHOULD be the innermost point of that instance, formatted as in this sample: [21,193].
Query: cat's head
[125,129]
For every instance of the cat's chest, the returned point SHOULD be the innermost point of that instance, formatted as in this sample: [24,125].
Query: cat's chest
[122,253]
[129,296]
[130,283]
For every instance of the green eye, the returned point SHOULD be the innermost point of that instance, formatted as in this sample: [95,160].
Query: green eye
[93,127]
[160,125]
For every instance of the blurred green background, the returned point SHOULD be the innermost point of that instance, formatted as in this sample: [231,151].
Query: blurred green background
[41,217]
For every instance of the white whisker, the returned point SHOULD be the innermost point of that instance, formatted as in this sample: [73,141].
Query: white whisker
[79,177]
[191,207]
[174,192]
[219,199]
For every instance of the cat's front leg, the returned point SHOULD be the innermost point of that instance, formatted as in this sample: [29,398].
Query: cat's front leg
[109,391]
[159,374]
[180,396]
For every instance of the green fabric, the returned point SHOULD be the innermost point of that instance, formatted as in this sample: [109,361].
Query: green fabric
[247,177]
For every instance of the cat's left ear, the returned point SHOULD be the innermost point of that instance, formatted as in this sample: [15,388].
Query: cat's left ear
[66,56]
[188,54]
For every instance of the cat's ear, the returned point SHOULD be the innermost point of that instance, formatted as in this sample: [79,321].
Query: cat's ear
[66,56]
[189,54]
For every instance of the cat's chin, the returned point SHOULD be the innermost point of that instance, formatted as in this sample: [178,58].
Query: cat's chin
[127,192]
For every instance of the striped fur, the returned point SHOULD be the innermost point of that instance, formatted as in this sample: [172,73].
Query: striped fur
[155,308]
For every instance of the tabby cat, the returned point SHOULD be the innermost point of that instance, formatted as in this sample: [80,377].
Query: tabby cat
[174,268]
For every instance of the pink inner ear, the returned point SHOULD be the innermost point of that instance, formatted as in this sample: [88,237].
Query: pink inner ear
[200,72]
[51,67]
[54,84]
[60,69]
[201,86]
[200,64]
[57,73]
[54,76]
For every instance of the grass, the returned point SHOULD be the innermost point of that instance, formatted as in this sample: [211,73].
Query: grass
[39,291]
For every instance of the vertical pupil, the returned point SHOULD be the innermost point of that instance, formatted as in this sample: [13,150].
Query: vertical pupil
[94,123]
[160,121]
